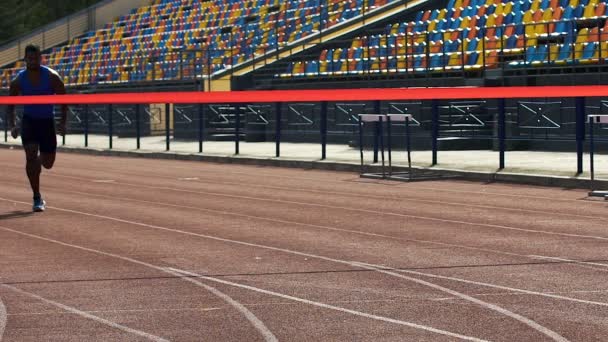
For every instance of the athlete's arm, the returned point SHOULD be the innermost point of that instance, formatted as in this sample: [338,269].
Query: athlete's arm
[59,89]
[10,109]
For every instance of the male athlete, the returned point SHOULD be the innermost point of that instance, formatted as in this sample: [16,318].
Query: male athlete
[38,123]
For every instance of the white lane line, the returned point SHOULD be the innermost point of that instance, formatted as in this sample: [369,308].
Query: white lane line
[3,318]
[367,211]
[348,194]
[532,324]
[327,306]
[256,322]
[573,261]
[86,315]
[259,325]
[543,294]
[104,181]
[232,214]
[51,313]
[378,268]
[182,275]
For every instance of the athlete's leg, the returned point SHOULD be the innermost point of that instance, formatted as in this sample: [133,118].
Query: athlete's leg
[48,143]
[47,159]
[33,167]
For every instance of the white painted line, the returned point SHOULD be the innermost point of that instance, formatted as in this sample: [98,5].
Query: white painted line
[377,268]
[259,325]
[331,307]
[104,181]
[188,179]
[532,324]
[87,315]
[183,275]
[571,261]
[367,211]
[543,294]
[3,318]
[357,232]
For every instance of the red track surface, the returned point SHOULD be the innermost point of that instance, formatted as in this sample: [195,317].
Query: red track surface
[282,252]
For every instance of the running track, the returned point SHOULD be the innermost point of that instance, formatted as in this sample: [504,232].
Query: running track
[140,250]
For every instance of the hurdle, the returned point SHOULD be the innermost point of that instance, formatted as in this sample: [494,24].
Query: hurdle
[595,119]
[387,172]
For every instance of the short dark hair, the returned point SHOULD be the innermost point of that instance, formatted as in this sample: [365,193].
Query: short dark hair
[32,48]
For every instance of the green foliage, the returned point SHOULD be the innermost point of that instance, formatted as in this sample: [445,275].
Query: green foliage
[22,16]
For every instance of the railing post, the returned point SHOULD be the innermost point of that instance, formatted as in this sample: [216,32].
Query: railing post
[278,119]
[323,128]
[86,125]
[591,154]
[167,125]
[237,130]
[377,132]
[110,124]
[201,126]
[6,127]
[138,125]
[435,128]
[580,132]
[501,133]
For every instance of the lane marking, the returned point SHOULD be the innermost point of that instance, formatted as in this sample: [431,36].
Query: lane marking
[327,306]
[259,325]
[103,181]
[493,307]
[543,294]
[86,314]
[367,211]
[348,194]
[3,318]
[51,313]
[232,214]
[324,179]
[573,261]
[181,275]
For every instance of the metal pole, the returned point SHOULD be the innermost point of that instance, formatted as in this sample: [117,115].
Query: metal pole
[501,132]
[201,126]
[110,124]
[167,125]
[435,128]
[237,130]
[580,132]
[6,127]
[408,147]
[138,125]
[278,120]
[377,131]
[361,142]
[390,141]
[323,130]
[591,154]
[382,147]
[86,125]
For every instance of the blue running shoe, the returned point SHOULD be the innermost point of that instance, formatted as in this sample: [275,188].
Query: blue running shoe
[39,205]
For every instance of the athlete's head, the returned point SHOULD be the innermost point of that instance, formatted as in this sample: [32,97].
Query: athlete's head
[33,57]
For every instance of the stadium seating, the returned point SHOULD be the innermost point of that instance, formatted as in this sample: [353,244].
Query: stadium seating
[147,43]
[470,33]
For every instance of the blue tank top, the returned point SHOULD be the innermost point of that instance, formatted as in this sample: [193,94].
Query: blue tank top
[43,88]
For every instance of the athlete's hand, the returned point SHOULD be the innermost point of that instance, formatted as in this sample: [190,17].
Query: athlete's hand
[62,128]
[15,132]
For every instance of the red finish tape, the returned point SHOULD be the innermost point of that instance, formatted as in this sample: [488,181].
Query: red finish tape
[329,95]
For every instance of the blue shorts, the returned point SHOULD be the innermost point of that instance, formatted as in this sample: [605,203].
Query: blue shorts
[40,132]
